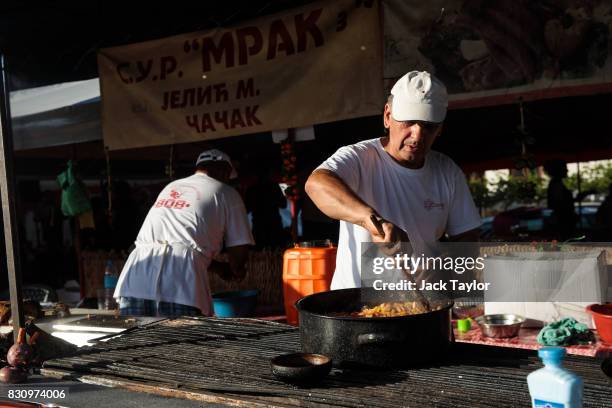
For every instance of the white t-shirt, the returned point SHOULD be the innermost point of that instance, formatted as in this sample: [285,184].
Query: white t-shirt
[425,202]
[183,231]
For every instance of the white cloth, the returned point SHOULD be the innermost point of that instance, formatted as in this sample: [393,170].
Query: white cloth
[425,202]
[183,231]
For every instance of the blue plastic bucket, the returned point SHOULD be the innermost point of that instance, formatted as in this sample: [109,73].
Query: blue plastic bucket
[240,303]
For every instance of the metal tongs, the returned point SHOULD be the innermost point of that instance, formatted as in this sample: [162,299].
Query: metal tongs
[391,249]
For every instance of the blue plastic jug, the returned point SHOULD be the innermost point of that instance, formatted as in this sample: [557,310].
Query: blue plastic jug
[553,386]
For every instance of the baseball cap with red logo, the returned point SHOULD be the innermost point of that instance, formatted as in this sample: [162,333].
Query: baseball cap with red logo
[216,155]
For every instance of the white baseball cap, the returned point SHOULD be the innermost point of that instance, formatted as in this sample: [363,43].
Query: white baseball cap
[418,95]
[216,155]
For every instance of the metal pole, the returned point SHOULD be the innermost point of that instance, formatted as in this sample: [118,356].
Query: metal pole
[7,192]
[579,185]
[293,203]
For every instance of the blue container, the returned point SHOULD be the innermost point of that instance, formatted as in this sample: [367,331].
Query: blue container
[553,386]
[240,303]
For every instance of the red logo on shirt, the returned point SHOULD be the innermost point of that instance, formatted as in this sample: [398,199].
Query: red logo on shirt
[429,205]
[175,194]
[171,203]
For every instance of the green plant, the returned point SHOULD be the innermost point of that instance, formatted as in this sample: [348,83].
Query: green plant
[480,192]
[596,178]
[524,189]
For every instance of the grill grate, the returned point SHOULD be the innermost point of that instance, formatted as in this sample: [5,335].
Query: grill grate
[230,357]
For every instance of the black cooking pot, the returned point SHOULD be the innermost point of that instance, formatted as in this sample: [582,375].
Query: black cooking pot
[377,341]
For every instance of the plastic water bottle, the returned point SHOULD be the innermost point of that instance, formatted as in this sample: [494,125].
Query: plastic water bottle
[110,275]
[553,386]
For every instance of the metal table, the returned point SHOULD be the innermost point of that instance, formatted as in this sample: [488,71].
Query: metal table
[227,361]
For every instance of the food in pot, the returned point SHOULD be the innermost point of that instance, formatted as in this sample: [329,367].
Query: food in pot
[393,309]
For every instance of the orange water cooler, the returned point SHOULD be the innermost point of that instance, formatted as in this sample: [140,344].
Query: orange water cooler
[307,268]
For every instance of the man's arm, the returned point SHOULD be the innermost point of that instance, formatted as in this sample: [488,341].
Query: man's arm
[221,269]
[238,256]
[235,268]
[336,200]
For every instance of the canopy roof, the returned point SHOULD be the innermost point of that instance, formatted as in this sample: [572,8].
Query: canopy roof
[56,114]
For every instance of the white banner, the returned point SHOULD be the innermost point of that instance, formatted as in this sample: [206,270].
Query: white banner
[315,64]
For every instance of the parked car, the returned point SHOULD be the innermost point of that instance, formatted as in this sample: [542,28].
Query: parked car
[533,223]
[486,229]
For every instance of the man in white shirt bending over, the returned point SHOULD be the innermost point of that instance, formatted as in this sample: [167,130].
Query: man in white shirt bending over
[192,218]
[395,188]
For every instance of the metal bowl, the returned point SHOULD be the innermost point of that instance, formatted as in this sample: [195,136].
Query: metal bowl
[500,325]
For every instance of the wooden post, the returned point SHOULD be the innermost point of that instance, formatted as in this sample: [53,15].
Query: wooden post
[579,185]
[7,192]
[79,258]
[109,187]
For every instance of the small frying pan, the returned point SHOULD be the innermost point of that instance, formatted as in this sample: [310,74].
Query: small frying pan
[301,367]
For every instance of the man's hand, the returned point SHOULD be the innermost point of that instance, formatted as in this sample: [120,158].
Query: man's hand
[238,256]
[385,232]
[232,265]
[222,269]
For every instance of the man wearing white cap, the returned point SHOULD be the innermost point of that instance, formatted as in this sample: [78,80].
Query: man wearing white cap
[395,188]
[192,218]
